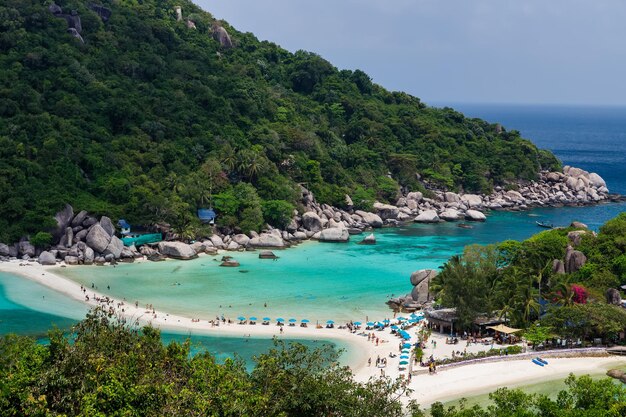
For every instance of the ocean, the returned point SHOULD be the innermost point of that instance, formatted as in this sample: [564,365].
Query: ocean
[321,281]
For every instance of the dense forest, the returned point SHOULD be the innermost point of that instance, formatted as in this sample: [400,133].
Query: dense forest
[148,117]
[558,283]
[107,368]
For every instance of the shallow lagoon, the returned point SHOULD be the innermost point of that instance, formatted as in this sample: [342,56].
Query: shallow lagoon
[317,281]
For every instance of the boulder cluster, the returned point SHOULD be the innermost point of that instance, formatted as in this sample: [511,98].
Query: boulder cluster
[83,239]
[572,187]
[419,297]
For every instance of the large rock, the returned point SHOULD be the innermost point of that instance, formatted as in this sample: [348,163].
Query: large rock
[221,35]
[114,247]
[558,267]
[615,373]
[575,237]
[217,241]
[107,225]
[71,260]
[472,200]
[80,236]
[311,221]
[177,250]
[421,275]
[450,197]
[427,216]
[26,248]
[63,219]
[596,180]
[4,249]
[450,215]
[97,238]
[67,240]
[574,260]
[369,240]
[578,225]
[88,256]
[386,211]
[613,297]
[334,234]
[266,240]
[475,216]
[415,196]
[372,219]
[420,293]
[47,258]
[79,218]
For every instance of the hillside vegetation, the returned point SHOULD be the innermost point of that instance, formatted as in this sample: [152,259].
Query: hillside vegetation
[149,119]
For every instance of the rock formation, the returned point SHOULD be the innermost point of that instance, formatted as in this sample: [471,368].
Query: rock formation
[614,297]
[177,250]
[221,35]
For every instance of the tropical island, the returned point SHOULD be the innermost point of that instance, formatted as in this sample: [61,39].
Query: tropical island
[159,114]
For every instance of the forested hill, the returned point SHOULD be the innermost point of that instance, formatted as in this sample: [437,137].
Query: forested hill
[145,117]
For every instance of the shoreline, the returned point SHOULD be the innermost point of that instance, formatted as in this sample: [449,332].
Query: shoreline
[446,385]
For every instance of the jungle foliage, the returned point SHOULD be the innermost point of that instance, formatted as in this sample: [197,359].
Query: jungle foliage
[515,280]
[108,368]
[150,120]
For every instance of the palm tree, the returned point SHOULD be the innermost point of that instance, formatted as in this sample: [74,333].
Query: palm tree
[526,301]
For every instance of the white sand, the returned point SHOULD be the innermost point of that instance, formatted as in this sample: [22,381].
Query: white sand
[445,385]
[467,381]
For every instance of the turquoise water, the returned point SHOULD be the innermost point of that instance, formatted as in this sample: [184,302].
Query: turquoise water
[317,281]
[337,281]
[32,309]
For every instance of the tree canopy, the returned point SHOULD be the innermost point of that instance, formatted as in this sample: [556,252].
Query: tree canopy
[148,118]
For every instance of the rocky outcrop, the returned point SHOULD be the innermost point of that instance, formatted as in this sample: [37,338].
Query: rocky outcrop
[574,260]
[311,221]
[63,219]
[221,35]
[114,247]
[97,238]
[107,225]
[370,219]
[25,248]
[177,250]
[419,295]
[613,297]
[334,234]
[450,215]
[4,249]
[47,258]
[558,267]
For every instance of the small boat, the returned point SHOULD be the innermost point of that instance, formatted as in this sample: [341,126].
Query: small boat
[465,226]
[545,362]
[537,362]
[545,225]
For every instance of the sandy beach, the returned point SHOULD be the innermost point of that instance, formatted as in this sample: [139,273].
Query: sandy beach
[445,385]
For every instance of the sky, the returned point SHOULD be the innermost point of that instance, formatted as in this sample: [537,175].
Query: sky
[456,51]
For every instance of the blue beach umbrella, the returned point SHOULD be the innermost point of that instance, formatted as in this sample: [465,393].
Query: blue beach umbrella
[406,346]
[252,318]
[404,362]
[379,324]
[241,318]
[280,319]
[330,322]
[386,321]
[370,323]
[304,321]
[394,327]
[266,319]
[401,319]
[357,323]
[404,356]
[292,320]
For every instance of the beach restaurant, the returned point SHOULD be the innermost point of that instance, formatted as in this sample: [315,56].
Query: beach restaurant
[443,320]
